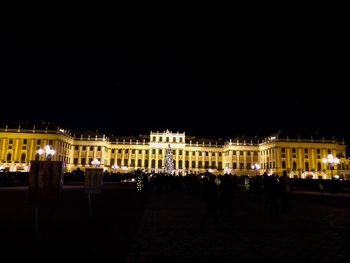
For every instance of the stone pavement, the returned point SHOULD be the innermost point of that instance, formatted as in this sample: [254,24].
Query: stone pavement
[316,229]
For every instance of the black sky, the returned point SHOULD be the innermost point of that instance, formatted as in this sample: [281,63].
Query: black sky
[207,89]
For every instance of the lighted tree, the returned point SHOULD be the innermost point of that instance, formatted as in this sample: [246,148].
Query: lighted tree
[168,162]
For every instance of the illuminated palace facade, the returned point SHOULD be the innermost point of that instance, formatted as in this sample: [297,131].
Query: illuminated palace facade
[301,157]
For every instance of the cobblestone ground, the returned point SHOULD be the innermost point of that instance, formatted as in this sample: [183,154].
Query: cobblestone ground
[316,229]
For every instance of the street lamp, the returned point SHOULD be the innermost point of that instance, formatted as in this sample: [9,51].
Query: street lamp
[115,167]
[256,167]
[95,162]
[48,151]
[331,162]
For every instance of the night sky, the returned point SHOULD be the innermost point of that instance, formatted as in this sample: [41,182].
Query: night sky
[207,89]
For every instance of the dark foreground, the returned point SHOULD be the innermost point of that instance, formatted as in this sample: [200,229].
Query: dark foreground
[66,231]
[129,226]
[316,229]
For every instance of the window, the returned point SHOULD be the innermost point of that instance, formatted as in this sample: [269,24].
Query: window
[220,165]
[187,153]
[76,147]
[167,139]
[113,150]
[173,152]
[283,150]
[9,157]
[133,151]
[180,164]
[38,142]
[200,153]
[159,163]
[24,141]
[50,142]
[234,152]
[180,152]
[187,164]
[119,162]
[200,164]
[24,147]
[306,151]
[126,150]
[174,139]
[160,151]
[139,162]
[9,147]
[193,164]
[306,166]
[153,163]
[206,165]
[219,154]
[283,165]
[293,150]
[153,152]
[126,162]
[206,153]
[91,148]
[132,163]
[294,165]
[140,151]
[75,161]
[180,139]
[319,166]
[120,151]
[83,161]
[318,151]
[241,165]
[329,151]
[23,158]
[99,148]
[154,138]
[84,148]
[146,163]
[160,139]
[90,160]
[213,165]
[241,153]
[234,165]
[248,153]
[146,151]
[255,153]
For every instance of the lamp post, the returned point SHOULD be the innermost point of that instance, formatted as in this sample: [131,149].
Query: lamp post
[331,162]
[48,151]
[256,167]
[95,163]
[115,167]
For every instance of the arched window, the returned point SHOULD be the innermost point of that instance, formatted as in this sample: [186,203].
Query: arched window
[213,166]
[23,158]
[294,165]
[132,163]
[180,164]
[200,164]
[146,163]
[139,163]
[153,163]
[220,165]
[119,162]
[193,164]
[206,164]
[112,161]
[187,164]
[9,157]
[159,163]
[37,156]
[283,165]
[319,168]
[125,162]
[306,166]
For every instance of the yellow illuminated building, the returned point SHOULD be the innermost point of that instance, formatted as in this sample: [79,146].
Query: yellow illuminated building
[301,157]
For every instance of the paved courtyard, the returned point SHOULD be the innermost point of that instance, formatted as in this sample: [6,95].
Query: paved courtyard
[317,229]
